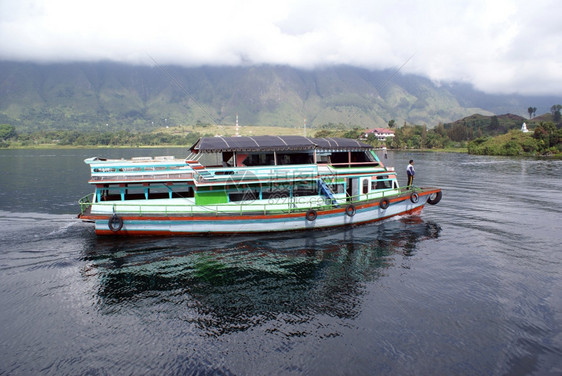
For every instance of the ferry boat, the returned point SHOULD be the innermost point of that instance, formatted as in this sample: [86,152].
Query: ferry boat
[240,185]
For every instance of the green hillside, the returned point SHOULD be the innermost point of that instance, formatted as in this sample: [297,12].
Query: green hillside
[546,140]
[111,97]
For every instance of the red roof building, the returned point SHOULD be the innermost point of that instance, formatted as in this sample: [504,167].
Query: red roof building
[380,133]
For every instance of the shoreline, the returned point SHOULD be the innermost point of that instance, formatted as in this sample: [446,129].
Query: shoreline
[78,147]
[174,146]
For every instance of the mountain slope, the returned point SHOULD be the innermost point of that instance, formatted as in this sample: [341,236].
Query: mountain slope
[109,95]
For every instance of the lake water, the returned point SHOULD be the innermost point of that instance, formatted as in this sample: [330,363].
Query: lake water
[473,286]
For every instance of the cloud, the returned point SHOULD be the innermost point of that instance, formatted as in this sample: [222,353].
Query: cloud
[506,46]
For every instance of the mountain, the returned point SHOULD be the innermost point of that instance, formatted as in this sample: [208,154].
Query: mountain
[115,96]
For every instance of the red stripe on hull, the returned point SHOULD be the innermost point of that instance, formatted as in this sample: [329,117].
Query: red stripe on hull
[187,233]
[229,217]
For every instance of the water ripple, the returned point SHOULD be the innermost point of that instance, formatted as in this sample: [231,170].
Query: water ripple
[469,287]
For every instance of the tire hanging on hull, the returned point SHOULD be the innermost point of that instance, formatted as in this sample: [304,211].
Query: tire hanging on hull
[384,203]
[350,210]
[115,223]
[434,200]
[311,215]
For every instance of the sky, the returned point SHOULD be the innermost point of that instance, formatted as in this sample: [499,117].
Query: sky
[498,46]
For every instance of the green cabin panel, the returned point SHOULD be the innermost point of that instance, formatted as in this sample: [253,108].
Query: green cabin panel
[211,197]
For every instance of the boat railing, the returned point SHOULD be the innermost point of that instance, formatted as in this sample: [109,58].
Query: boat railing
[128,168]
[356,164]
[273,206]
[410,189]
[280,172]
[244,208]
[86,202]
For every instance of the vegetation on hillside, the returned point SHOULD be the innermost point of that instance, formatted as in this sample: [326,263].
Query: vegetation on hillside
[492,135]
[64,138]
[478,131]
[88,97]
[405,137]
[165,136]
[545,140]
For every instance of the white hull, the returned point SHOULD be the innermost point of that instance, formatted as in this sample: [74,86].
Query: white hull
[233,223]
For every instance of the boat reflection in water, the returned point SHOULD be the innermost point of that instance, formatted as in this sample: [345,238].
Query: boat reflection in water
[231,284]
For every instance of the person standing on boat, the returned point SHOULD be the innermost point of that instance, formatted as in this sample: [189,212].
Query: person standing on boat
[411,172]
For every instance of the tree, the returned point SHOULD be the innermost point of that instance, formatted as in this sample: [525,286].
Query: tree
[555,110]
[7,131]
[459,132]
[531,110]
[546,133]
[440,129]
[391,123]
[354,133]
[494,124]
[415,142]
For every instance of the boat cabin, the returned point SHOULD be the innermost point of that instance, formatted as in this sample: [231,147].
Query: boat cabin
[230,170]
[281,150]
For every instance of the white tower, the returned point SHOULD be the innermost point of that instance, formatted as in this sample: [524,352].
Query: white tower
[524,128]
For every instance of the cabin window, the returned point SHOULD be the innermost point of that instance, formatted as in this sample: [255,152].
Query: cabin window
[262,159]
[294,158]
[382,182]
[340,157]
[323,157]
[109,193]
[162,192]
[365,186]
[246,195]
[305,189]
[276,191]
[354,158]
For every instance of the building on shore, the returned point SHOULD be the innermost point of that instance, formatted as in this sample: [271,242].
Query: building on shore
[382,134]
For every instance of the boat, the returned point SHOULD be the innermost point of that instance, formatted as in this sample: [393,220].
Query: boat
[241,185]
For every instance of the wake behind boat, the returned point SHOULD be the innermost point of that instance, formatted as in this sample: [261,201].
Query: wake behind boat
[231,185]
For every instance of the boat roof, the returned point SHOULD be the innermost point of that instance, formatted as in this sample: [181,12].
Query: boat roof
[275,143]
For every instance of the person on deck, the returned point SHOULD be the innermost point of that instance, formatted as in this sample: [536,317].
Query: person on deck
[411,172]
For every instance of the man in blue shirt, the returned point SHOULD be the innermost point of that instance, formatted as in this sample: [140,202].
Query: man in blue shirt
[411,172]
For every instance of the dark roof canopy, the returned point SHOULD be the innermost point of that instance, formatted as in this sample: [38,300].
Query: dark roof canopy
[339,144]
[275,143]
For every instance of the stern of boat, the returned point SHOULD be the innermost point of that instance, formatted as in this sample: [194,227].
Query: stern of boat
[86,207]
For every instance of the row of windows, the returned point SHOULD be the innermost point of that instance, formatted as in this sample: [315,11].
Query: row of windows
[139,192]
[227,159]
[242,193]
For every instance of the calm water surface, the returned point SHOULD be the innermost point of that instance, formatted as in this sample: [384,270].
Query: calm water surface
[471,287]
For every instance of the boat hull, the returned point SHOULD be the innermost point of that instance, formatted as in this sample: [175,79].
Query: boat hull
[236,223]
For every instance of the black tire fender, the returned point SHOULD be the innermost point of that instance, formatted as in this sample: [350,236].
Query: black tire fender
[350,210]
[414,197]
[434,200]
[384,203]
[311,215]
[115,223]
